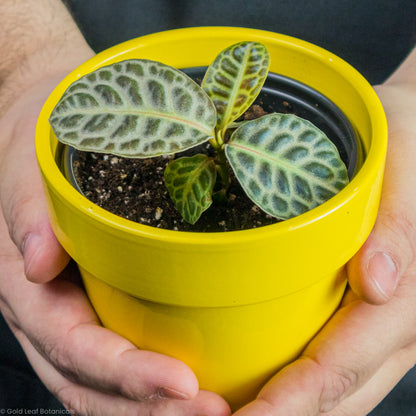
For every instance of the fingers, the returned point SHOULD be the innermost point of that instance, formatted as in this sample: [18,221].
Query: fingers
[375,271]
[87,354]
[81,400]
[23,201]
[378,387]
[94,371]
[89,368]
[139,375]
[338,362]
[58,320]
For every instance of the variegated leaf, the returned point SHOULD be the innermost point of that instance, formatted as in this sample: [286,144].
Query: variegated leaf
[190,181]
[285,164]
[235,78]
[134,108]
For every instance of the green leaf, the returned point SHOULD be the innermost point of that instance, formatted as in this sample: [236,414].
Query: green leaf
[285,164]
[190,181]
[235,78]
[134,108]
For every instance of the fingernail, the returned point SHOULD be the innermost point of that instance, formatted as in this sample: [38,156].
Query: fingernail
[383,271]
[168,393]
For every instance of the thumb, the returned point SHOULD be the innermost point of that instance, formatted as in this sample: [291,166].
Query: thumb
[375,271]
[24,206]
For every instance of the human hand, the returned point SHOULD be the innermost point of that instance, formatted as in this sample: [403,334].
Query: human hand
[91,370]
[370,342]
[350,366]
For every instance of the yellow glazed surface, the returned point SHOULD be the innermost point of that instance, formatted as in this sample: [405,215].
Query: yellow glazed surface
[235,306]
[233,350]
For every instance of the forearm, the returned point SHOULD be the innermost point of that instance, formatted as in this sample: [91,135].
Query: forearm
[38,38]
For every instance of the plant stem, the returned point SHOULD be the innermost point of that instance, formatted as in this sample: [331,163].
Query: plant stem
[220,137]
[214,144]
[217,143]
[223,168]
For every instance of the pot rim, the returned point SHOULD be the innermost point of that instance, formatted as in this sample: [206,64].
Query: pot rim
[46,144]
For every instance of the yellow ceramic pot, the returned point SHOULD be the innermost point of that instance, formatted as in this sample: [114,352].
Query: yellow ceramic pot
[234,306]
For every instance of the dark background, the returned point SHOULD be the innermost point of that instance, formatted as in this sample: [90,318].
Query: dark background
[374,36]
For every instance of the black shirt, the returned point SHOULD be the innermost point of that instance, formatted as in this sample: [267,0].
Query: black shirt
[372,35]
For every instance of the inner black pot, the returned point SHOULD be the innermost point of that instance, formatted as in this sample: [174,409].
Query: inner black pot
[279,94]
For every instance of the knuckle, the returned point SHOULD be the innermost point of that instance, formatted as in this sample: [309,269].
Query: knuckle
[338,383]
[123,385]
[265,407]
[57,353]
[72,401]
